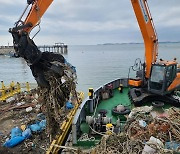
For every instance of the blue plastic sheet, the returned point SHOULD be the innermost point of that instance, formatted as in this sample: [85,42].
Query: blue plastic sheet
[35,127]
[17,136]
[27,133]
[16,132]
[172,145]
[14,141]
[39,126]
[42,124]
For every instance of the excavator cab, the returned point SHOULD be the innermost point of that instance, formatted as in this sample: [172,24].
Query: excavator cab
[161,77]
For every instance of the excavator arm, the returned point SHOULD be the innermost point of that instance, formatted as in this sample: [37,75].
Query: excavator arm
[23,45]
[37,10]
[39,62]
[147,28]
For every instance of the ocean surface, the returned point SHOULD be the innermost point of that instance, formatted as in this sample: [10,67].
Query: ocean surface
[95,64]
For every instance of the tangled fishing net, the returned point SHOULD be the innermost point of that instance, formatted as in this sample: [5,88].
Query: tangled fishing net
[134,138]
[61,86]
[158,133]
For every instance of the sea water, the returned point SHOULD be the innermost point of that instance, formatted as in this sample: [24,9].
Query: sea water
[95,64]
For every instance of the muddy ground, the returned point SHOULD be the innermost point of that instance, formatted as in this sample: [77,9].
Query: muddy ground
[13,114]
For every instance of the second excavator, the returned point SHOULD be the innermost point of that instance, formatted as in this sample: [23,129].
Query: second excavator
[158,79]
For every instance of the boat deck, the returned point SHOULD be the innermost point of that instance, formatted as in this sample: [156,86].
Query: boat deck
[117,99]
[99,116]
[108,105]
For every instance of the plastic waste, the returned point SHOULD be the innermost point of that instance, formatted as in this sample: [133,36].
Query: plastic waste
[38,127]
[155,141]
[147,149]
[20,103]
[172,145]
[29,109]
[63,80]
[42,124]
[10,99]
[16,132]
[35,127]
[36,96]
[144,109]
[35,101]
[27,133]
[69,105]
[142,123]
[14,141]
[7,139]
[41,116]
[38,106]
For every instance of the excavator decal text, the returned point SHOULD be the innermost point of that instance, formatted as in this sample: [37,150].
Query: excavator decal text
[144,11]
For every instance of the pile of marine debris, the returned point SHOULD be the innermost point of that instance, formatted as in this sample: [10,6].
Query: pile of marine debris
[22,123]
[57,96]
[146,131]
[30,120]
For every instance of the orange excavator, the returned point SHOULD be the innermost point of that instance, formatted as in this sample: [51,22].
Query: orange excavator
[40,63]
[158,79]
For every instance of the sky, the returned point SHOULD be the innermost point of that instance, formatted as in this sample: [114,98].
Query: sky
[88,22]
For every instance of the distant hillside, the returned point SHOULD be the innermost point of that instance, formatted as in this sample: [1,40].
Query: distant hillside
[135,43]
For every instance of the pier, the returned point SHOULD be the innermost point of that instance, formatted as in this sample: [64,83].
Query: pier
[4,50]
[57,47]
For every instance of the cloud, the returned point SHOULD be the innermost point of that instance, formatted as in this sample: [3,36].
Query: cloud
[93,22]
[10,2]
[166,14]
[88,26]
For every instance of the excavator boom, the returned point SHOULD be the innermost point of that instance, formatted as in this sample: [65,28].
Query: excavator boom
[38,8]
[147,28]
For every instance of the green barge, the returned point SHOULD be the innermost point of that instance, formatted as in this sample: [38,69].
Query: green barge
[105,112]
